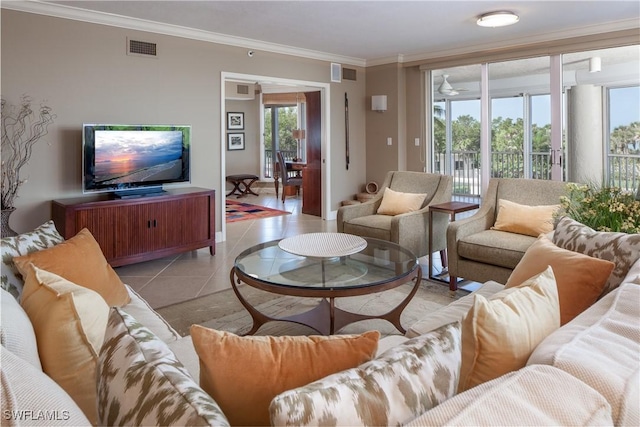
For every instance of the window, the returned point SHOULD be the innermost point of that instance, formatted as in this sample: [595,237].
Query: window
[550,117]
[623,154]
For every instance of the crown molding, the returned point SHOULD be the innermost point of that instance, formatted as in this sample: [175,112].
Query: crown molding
[102,18]
[627,24]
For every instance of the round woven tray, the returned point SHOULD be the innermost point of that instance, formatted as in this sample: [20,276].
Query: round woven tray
[323,245]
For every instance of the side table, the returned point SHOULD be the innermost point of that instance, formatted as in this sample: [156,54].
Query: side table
[451,208]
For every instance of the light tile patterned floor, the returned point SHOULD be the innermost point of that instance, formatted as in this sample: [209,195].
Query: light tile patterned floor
[192,274]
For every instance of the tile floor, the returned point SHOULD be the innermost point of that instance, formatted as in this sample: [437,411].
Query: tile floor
[193,274]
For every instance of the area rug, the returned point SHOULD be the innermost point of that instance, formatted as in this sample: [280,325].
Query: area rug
[238,211]
[223,311]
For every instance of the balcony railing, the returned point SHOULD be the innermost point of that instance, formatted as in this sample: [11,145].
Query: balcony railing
[269,166]
[624,170]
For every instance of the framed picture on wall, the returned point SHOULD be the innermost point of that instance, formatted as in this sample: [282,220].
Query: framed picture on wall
[235,141]
[235,121]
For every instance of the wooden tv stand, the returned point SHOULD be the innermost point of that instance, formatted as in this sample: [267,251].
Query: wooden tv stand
[142,228]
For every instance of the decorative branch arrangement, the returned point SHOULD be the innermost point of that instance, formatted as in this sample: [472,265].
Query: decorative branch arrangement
[21,130]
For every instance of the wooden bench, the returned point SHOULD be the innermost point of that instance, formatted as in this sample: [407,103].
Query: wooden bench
[241,184]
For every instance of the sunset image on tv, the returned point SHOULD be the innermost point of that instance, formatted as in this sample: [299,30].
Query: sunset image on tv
[129,156]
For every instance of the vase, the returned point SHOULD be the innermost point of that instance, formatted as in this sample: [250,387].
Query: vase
[7,231]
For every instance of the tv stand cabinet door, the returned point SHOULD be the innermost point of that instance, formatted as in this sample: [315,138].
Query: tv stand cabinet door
[153,227]
[136,230]
[101,222]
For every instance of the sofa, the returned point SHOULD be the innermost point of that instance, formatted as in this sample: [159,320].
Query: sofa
[479,251]
[584,372]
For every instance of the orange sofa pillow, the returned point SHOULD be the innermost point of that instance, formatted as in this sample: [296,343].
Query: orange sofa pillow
[81,261]
[243,374]
[580,278]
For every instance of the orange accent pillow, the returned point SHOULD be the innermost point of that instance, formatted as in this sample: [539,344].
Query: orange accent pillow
[243,374]
[396,203]
[522,219]
[70,322]
[580,278]
[81,261]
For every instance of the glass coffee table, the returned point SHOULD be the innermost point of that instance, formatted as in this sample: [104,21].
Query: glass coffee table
[326,266]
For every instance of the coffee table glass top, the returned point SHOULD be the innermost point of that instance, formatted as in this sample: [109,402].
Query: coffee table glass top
[377,262]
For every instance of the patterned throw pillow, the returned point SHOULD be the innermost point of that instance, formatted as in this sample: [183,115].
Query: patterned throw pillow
[392,389]
[43,237]
[140,381]
[621,248]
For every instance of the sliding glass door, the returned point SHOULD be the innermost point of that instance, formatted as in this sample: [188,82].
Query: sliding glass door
[572,117]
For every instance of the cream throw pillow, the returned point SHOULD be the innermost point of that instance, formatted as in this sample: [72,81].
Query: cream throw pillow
[396,203]
[500,333]
[81,261]
[523,219]
[70,323]
[580,278]
[243,374]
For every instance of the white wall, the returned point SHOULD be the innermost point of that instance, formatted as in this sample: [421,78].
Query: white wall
[83,72]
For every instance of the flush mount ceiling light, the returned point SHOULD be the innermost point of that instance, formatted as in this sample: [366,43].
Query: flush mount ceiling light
[497,19]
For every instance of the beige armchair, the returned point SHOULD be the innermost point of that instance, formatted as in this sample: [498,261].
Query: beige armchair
[410,230]
[480,254]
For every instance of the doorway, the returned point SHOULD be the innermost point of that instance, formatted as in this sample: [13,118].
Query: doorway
[321,128]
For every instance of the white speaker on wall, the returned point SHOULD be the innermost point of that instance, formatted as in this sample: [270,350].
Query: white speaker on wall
[336,72]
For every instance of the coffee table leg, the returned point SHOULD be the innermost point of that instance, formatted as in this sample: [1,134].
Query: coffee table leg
[317,318]
[343,318]
[259,319]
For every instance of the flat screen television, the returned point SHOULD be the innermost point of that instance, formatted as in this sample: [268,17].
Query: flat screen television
[134,160]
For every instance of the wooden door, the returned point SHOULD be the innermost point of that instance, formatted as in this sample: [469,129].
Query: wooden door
[312,175]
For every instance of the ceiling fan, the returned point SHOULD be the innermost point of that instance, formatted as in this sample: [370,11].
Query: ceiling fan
[446,88]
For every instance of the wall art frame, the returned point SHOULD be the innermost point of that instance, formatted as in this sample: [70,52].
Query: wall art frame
[235,121]
[235,141]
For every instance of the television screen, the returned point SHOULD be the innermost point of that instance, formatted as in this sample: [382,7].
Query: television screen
[125,157]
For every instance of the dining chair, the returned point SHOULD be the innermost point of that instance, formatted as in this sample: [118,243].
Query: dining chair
[287,181]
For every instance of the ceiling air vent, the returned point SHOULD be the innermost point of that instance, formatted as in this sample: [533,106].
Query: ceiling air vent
[243,89]
[142,48]
[348,73]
